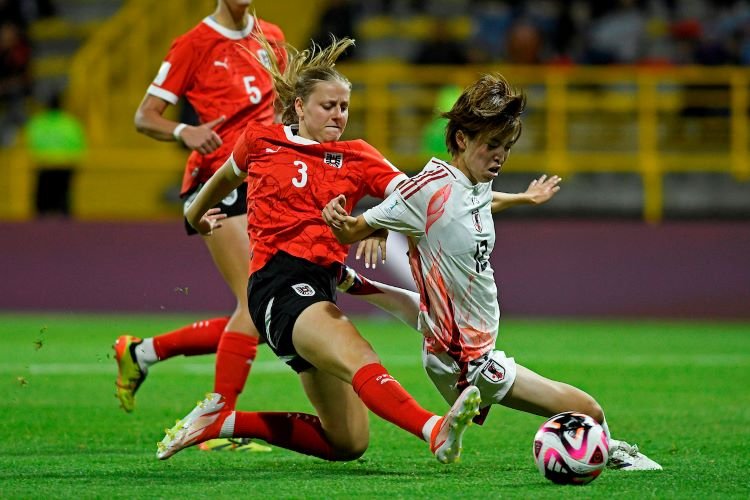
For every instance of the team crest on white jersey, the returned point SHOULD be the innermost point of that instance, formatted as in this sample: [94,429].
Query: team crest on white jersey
[303,290]
[477,220]
[493,371]
[334,159]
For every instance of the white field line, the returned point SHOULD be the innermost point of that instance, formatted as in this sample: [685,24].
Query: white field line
[275,366]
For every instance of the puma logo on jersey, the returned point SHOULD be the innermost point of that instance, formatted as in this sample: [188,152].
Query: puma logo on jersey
[224,64]
[271,150]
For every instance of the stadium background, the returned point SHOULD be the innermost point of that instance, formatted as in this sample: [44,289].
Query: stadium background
[633,283]
[653,218]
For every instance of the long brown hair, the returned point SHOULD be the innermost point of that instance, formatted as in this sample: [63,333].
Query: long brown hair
[488,107]
[304,70]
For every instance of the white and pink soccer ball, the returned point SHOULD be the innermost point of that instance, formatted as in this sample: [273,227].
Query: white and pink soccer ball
[571,448]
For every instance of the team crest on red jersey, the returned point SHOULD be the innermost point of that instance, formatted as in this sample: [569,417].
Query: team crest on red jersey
[264,58]
[477,220]
[334,159]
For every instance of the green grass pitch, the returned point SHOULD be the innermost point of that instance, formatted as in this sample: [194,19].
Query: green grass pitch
[678,389]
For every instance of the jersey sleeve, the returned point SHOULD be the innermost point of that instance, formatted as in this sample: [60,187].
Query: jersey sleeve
[176,71]
[398,213]
[382,176]
[245,151]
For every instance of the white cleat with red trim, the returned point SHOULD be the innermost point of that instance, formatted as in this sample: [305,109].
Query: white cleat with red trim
[449,430]
[206,421]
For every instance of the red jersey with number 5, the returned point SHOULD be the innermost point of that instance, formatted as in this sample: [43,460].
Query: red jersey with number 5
[289,181]
[216,69]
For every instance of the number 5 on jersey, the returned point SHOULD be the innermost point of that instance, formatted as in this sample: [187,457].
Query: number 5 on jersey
[253,92]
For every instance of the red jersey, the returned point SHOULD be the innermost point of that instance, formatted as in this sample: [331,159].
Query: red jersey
[290,180]
[218,77]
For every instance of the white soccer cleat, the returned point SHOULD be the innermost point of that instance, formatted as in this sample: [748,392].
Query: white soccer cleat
[624,456]
[234,444]
[205,422]
[449,430]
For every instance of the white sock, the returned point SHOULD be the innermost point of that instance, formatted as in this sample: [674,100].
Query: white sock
[145,354]
[428,427]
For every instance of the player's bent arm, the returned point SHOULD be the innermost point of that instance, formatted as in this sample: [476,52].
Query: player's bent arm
[502,201]
[353,230]
[223,182]
[149,119]
[539,191]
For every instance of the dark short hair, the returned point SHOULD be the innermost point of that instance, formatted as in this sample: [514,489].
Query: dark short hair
[488,107]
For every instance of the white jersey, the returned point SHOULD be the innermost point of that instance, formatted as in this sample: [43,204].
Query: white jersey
[448,222]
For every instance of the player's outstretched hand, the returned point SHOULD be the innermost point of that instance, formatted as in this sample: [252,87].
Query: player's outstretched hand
[202,138]
[371,246]
[542,189]
[210,220]
[335,214]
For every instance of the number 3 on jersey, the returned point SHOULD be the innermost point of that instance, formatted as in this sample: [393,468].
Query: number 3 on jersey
[302,181]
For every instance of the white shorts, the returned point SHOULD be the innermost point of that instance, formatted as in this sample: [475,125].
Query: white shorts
[493,374]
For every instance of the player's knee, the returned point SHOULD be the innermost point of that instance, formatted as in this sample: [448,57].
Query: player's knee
[350,451]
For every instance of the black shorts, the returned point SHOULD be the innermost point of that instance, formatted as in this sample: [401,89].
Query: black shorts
[279,292]
[235,203]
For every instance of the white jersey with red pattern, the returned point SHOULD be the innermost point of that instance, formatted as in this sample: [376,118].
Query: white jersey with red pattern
[448,222]
[290,180]
[216,69]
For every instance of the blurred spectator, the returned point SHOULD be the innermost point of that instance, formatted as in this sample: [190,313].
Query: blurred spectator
[337,19]
[23,12]
[441,47]
[524,44]
[491,20]
[588,31]
[57,143]
[617,37]
[15,79]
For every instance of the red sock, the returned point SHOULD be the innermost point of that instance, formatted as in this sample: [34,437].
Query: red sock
[234,356]
[294,431]
[385,397]
[202,337]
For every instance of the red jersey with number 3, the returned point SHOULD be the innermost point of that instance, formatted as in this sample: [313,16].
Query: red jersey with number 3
[289,181]
[210,67]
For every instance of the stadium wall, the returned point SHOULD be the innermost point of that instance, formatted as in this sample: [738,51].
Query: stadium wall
[543,268]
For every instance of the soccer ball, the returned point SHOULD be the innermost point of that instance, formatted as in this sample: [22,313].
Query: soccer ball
[571,448]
